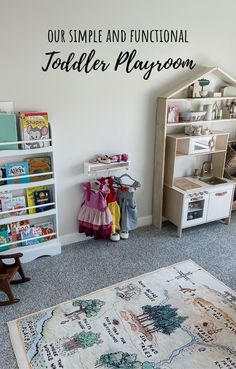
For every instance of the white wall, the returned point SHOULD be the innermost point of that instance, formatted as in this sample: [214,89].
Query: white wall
[111,112]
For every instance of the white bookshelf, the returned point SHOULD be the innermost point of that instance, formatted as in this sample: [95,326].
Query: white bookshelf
[47,247]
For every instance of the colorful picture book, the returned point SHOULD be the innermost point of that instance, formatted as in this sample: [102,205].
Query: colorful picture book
[41,198]
[34,127]
[4,238]
[39,165]
[23,231]
[17,228]
[8,131]
[4,195]
[47,228]
[32,232]
[17,170]
[16,204]
[30,196]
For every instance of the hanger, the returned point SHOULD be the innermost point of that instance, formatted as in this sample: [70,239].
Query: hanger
[126,175]
[135,183]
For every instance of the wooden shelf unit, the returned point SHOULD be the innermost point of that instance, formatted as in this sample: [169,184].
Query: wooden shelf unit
[166,153]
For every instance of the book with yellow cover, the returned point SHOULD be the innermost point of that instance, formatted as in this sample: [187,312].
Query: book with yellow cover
[30,196]
[34,127]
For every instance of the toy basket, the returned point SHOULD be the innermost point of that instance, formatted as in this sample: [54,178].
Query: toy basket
[192,116]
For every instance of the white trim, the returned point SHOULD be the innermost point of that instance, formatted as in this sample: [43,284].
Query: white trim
[145,221]
[70,238]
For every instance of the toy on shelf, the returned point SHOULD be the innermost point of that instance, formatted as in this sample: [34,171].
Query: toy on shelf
[106,159]
[106,163]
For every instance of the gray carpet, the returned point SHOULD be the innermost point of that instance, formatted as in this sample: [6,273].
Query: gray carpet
[90,265]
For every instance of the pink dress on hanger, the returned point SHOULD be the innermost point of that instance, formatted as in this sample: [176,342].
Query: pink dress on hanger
[94,216]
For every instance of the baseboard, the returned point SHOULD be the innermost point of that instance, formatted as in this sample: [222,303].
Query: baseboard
[70,238]
[145,221]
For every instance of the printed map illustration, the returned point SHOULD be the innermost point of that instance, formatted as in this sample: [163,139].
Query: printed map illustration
[174,318]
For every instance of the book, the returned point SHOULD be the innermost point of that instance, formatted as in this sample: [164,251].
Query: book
[47,228]
[5,227]
[17,228]
[3,175]
[16,204]
[39,165]
[34,127]
[8,131]
[31,233]
[5,195]
[30,197]
[17,170]
[41,198]
[4,238]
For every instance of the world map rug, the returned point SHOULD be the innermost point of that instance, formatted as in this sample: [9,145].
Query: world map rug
[179,317]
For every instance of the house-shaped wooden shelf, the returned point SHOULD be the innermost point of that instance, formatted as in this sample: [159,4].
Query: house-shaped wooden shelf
[170,160]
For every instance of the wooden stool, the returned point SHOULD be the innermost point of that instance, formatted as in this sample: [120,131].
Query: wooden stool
[7,272]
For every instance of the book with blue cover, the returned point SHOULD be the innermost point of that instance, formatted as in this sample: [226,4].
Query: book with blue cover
[17,170]
[32,232]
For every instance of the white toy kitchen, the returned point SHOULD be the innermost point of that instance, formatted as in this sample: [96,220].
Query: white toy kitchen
[195,191]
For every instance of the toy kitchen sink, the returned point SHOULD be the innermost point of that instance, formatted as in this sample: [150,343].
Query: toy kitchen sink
[212,180]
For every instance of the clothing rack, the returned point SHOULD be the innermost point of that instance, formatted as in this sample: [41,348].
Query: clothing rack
[94,169]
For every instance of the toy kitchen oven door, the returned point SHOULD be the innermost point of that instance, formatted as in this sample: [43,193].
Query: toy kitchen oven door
[195,208]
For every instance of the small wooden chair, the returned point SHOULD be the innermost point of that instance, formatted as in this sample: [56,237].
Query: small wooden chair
[7,272]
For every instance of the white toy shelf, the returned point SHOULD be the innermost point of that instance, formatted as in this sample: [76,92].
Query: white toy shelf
[93,169]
